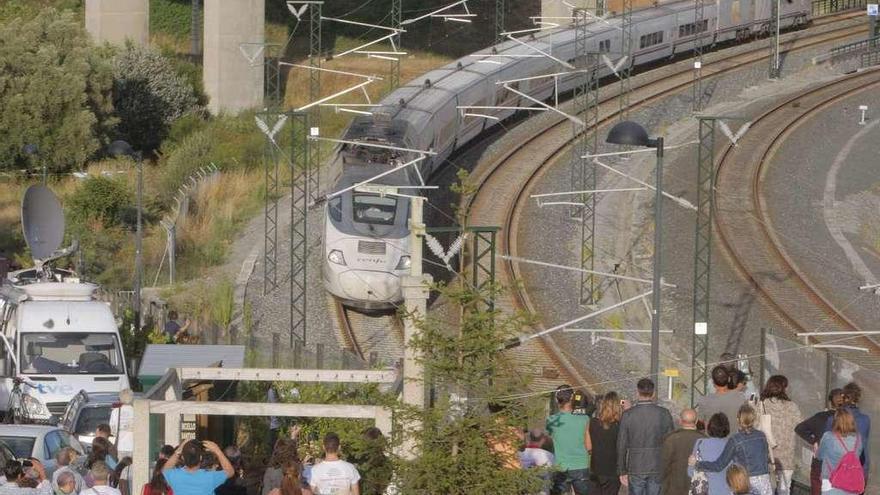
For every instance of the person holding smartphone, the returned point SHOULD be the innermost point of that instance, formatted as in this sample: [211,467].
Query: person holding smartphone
[16,482]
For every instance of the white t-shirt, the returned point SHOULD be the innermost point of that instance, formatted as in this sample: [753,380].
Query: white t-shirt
[122,419]
[100,490]
[533,457]
[333,478]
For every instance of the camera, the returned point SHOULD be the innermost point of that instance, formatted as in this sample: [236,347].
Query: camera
[582,403]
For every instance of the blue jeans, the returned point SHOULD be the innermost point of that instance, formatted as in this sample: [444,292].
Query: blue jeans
[644,485]
[565,481]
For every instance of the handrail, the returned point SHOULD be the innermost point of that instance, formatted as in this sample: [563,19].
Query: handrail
[855,46]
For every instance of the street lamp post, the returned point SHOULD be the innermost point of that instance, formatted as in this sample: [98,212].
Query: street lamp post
[122,148]
[32,150]
[629,133]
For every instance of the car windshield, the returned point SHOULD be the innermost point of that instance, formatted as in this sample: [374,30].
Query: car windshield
[90,418]
[23,447]
[374,209]
[70,353]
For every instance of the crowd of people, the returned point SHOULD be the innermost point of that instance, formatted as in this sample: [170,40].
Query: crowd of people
[736,441]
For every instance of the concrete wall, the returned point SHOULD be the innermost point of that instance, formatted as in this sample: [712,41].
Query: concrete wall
[231,81]
[117,20]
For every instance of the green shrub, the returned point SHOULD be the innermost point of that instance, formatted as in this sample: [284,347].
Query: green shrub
[171,17]
[54,92]
[148,95]
[99,198]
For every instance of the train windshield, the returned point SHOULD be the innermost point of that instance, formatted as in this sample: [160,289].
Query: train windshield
[373,209]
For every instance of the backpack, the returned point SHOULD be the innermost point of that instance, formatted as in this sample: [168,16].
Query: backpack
[848,475]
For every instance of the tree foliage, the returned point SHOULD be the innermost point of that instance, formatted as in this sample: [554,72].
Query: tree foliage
[98,198]
[149,95]
[54,92]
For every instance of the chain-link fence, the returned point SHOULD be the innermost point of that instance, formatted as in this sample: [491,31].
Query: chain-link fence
[811,374]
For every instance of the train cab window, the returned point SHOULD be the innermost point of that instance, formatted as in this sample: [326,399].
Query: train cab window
[604,46]
[374,209]
[334,207]
[651,39]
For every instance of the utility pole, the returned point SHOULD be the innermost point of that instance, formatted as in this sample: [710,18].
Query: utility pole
[500,11]
[396,13]
[300,154]
[313,163]
[415,299]
[774,41]
[626,41]
[703,257]
[698,55]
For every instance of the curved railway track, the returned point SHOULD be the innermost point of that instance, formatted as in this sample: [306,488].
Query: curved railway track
[745,229]
[502,189]
[364,334]
[368,336]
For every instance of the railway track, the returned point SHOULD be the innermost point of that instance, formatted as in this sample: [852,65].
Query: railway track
[368,336]
[504,183]
[744,225]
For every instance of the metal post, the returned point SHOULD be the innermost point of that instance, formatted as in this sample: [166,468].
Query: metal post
[314,159]
[484,262]
[396,13]
[761,369]
[658,229]
[299,200]
[139,240]
[500,11]
[172,256]
[626,41]
[272,69]
[196,28]
[415,296]
[703,256]
[270,236]
[775,12]
[698,55]
[586,97]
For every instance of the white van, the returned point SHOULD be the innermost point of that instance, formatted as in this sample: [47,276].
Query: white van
[57,339]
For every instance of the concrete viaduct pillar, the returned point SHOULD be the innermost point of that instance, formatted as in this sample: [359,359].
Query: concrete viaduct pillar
[115,21]
[233,76]
[232,81]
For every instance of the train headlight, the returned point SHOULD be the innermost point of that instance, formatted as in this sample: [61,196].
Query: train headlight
[336,257]
[404,263]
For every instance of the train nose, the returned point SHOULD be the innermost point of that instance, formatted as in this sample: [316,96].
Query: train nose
[370,286]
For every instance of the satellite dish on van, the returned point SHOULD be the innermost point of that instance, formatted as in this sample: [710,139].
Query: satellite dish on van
[42,221]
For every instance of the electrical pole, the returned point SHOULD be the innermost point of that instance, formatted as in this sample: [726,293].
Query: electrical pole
[500,11]
[396,13]
[703,257]
[626,30]
[698,55]
[774,41]
[139,241]
[313,163]
[656,282]
[415,299]
[300,151]
[586,99]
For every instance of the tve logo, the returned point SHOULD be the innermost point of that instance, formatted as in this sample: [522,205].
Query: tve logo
[55,389]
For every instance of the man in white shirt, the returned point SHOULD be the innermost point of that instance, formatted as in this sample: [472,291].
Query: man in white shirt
[122,424]
[101,475]
[534,455]
[334,476]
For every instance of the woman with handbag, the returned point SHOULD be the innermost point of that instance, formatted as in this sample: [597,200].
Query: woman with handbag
[708,449]
[784,416]
[748,448]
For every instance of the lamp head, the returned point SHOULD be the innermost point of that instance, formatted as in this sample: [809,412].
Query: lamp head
[120,148]
[629,133]
[30,149]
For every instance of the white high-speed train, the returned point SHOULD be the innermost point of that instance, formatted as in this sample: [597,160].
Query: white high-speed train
[365,235]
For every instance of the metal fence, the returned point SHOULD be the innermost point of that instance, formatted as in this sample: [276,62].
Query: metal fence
[870,59]
[812,373]
[822,7]
[856,46]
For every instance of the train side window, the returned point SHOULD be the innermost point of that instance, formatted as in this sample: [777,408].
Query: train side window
[604,46]
[651,39]
[334,206]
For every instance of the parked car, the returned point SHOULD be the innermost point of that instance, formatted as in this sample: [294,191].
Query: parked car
[38,441]
[85,412]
